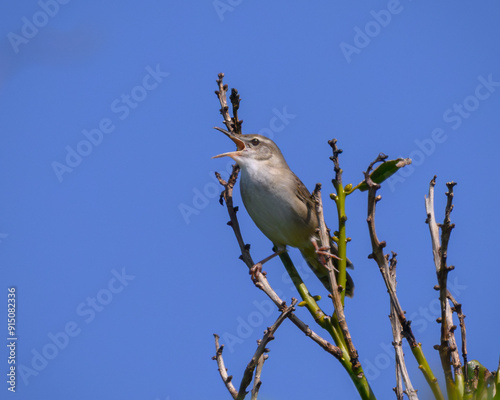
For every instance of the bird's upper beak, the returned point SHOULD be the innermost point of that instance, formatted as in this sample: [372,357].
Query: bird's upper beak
[240,145]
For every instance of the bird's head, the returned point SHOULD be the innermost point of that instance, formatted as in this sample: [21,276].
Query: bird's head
[252,149]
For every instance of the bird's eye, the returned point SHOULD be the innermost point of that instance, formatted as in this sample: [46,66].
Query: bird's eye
[255,141]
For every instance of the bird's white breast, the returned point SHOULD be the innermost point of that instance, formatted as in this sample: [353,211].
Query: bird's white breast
[269,195]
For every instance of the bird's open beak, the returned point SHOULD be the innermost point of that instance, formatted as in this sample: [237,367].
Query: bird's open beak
[240,145]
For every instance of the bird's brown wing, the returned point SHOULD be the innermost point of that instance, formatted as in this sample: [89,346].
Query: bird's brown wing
[305,196]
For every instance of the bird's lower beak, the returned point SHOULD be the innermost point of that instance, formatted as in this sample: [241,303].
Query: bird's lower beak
[240,146]
[231,154]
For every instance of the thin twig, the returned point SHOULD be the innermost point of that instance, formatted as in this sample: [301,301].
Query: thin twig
[235,102]
[224,110]
[261,348]
[402,375]
[396,334]
[457,307]
[335,160]
[398,350]
[258,372]
[222,368]
[233,124]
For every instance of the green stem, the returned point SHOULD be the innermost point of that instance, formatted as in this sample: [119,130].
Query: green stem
[451,390]
[336,325]
[459,384]
[426,370]
[331,326]
[312,306]
[497,384]
[342,243]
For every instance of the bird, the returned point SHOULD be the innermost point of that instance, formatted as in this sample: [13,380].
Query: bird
[279,203]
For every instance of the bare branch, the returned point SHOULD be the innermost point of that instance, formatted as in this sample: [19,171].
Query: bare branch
[448,350]
[402,375]
[233,124]
[378,253]
[433,226]
[235,101]
[255,363]
[222,368]
[268,336]
[335,159]
[324,344]
[457,307]
[258,371]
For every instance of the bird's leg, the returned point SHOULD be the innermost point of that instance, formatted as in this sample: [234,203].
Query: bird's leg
[257,268]
[322,252]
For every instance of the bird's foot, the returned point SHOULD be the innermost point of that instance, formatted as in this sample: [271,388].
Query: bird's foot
[322,253]
[255,271]
[257,268]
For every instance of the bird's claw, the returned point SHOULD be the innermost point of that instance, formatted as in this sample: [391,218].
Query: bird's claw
[323,254]
[255,271]
[322,251]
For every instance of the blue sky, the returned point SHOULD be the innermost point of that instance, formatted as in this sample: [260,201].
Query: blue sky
[111,231]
